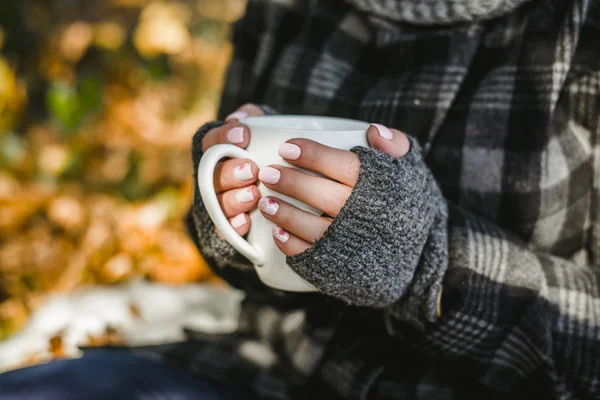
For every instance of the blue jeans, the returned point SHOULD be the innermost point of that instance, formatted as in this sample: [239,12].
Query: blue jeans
[108,374]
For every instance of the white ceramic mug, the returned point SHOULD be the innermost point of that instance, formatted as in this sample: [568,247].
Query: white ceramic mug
[267,133]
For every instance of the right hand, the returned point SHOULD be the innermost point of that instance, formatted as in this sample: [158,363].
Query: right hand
[235,178]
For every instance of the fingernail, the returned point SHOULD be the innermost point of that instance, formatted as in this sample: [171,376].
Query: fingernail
[238,220]
[269,175]
[384,132]
[289,151]
[243,172]
[244,195]
[237,115]
[236,135]
[280,234]
[268,206]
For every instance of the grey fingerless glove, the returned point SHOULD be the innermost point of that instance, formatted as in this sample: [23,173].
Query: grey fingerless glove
[387,247]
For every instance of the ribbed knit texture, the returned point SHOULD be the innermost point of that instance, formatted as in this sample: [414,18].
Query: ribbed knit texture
[437,12]
[371,254]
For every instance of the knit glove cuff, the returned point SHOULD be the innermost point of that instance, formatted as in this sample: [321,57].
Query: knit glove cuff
[373,254]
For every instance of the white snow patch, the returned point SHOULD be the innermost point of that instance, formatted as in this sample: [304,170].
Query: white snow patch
[164,311]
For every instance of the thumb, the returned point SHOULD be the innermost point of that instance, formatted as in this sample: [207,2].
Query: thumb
[389,141]
[247,110]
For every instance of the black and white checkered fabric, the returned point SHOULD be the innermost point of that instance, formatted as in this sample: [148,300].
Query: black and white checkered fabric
[507,112]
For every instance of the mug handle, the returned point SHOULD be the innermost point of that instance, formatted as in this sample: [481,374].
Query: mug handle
[206,172]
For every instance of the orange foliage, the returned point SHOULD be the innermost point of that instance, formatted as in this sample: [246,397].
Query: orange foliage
[96,120]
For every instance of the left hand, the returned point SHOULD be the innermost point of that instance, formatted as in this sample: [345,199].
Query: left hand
[295,229]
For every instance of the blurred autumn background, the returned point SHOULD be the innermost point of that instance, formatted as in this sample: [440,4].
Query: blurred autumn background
[98,103]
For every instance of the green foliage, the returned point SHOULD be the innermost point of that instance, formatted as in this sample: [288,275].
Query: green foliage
[12,150]
[70,106]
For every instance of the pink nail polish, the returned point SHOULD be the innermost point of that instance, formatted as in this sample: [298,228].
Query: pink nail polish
[384,132]
[268,206]
[280,234]
[237,115]
[243,172]
[289,151]
[269,175]
[238,220]
[236,135]
[244,195]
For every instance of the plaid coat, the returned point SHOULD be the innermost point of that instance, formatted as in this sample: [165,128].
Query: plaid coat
[507,111]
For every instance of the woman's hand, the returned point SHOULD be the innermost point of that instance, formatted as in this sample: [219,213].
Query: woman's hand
[235,179]
[295,229]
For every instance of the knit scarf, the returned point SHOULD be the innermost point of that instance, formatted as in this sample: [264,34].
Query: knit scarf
[437,12]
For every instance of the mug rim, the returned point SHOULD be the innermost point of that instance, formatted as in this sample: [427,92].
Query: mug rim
[250,122]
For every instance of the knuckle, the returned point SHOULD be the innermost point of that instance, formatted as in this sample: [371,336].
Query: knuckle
[335,201]
[223,174]
[225,208]
[314,153]
[283,219]
[207,141]
[293,181]
[349,168]
[230,205]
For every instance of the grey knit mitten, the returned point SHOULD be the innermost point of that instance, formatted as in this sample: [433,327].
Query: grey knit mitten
[387,246]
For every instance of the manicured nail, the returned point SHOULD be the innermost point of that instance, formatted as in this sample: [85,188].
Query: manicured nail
[244,195]
[289,151]
[268,206]
[243,172]
[238,220]
[236,135]
[280,234]
[237,115]
[269,175]
[384,132]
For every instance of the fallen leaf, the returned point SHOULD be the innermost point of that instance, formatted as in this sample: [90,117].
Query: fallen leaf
[57,347]
[135,311]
